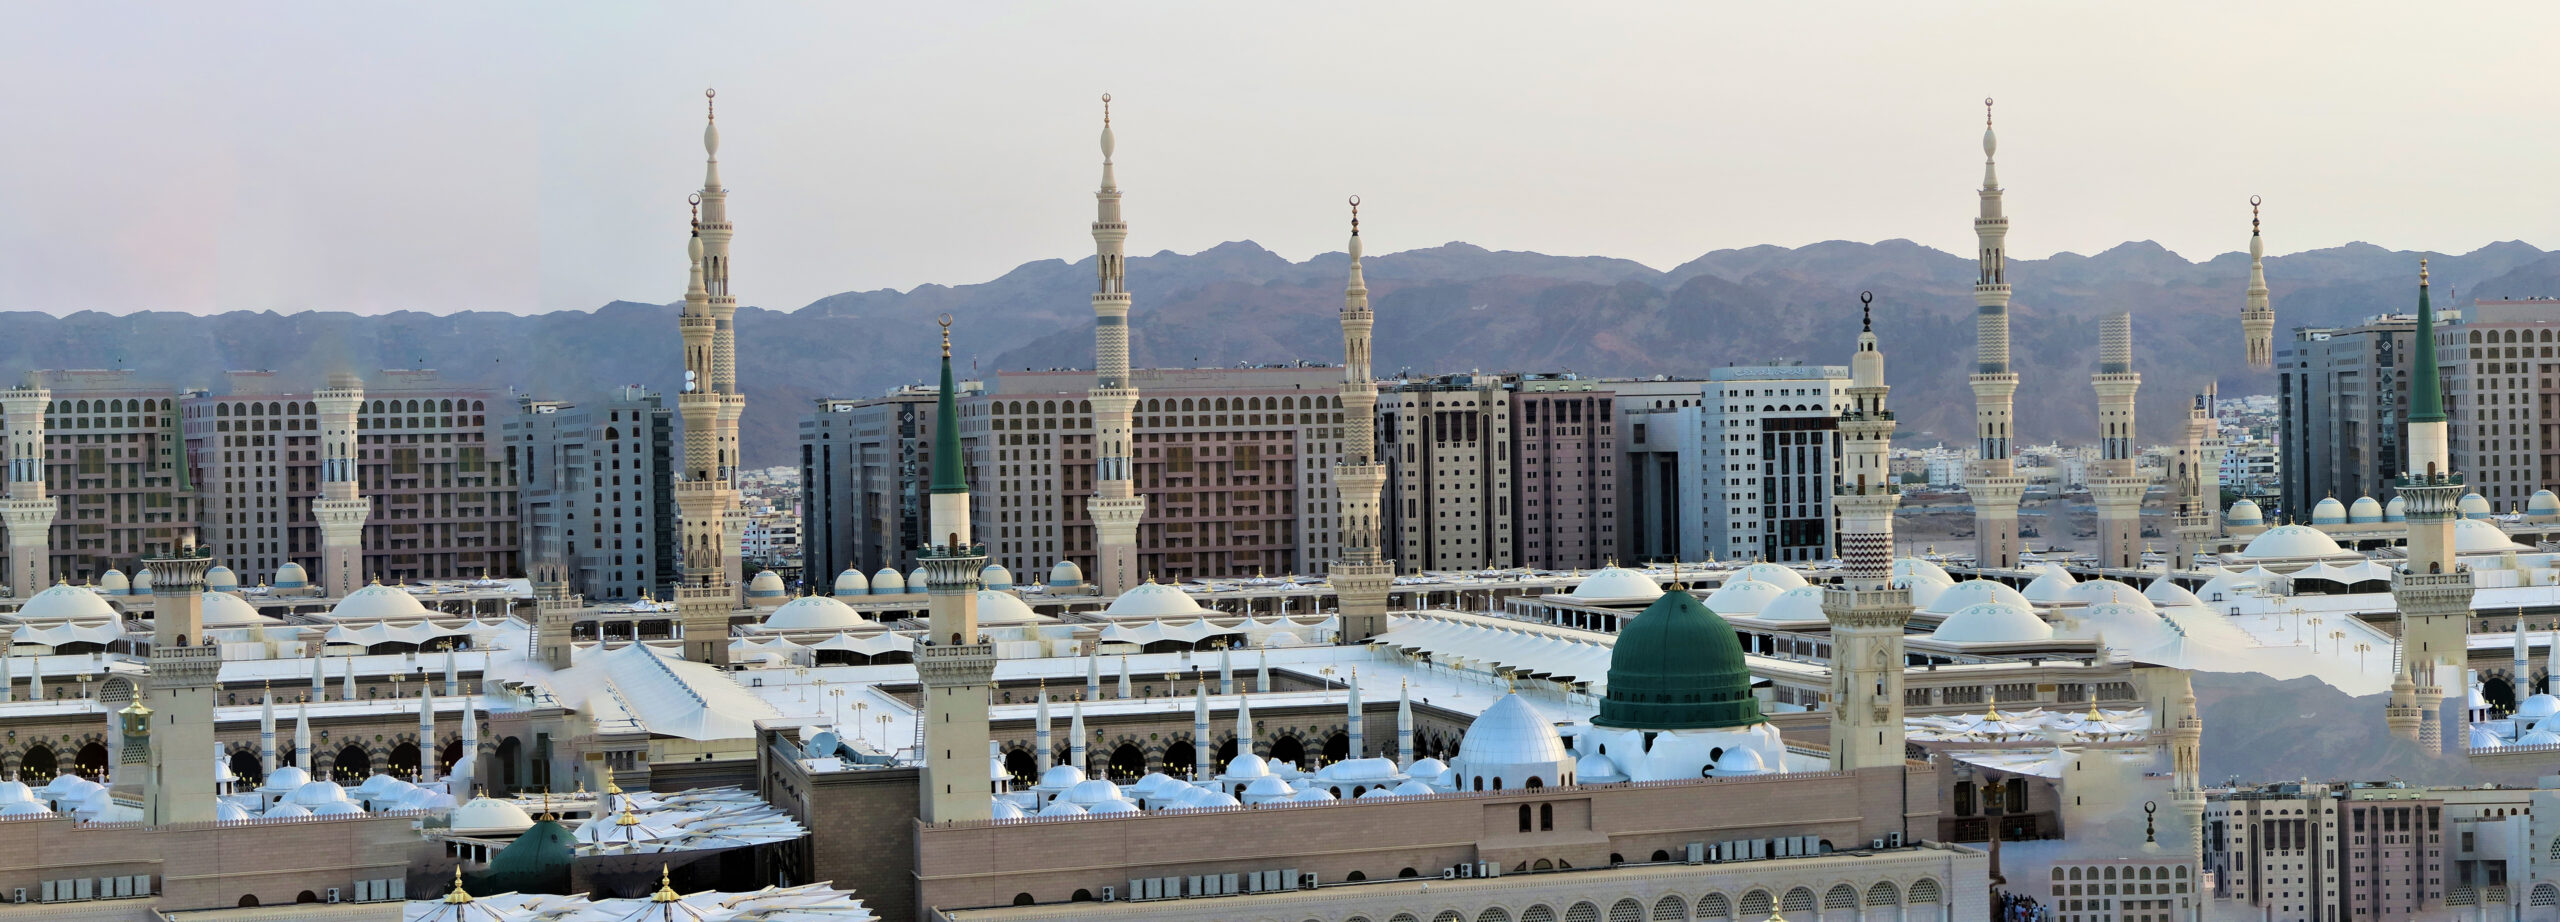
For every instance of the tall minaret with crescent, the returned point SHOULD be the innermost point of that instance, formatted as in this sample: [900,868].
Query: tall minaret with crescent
[1362,578]
[2258,317]
[706,497]
[1867,614]
[2116,485]
[28,510]
[1993,479]
[2431,590]
[955,663]
[1115,507]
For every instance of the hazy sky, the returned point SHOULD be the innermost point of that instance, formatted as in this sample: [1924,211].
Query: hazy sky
[535,156]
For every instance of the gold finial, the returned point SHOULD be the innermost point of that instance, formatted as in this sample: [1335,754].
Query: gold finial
[666,888]
[2422,272]
[710,105]
[945,320]
[457,895]
[1106,110]
[1986,112]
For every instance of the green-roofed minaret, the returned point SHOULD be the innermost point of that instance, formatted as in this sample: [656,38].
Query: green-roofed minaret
[2426,392]
[2432,590]
[949,475]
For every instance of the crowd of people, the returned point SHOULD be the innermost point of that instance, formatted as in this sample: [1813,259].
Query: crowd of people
[2018,907]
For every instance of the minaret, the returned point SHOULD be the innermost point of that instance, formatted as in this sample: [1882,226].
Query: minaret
[1201,753]
[2116,485]
[1363,575]
[1867,614]
[340,511]
[708,593]
[1040,736]
[28,510]
[1244,726]
[723,309]
[426,735]
[1992,480]
[2258,317]
[956,664]
[1226,671]
[466,768]
[184,668]
[2520,673]
[1115,507]
[555,608]
[1076,738]
[452,675]
[2191,507]
[1092,677]
[1262,674]
[1358,730]
[1124,675]
[1404,727]
[267,735]
[302,738]
[5,688]
[2432,590]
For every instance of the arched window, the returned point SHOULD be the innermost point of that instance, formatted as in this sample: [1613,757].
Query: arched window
[1524,817]
[1546,817]
[1883,894]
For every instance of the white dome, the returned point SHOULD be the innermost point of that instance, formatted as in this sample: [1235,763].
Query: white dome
[850,582]
[1924,588]
[2165,592]
[2106,591]
[1974,592]
[2481,738]
[813,612]
[1109,807]
[292,576]
[995,576]
[2480,536]
[1993,623]
[2397,510]
[2244,513]
[2474,506]
[1153,599]
[24,808]
[2365,509]
[1268,788]
[918,580]
[1614,585]
[1740,760]
[15,792]
[1005,810]
[66,603]
[1204,797]
[1061,807]
[1281,639]
[1511,732]
[1426,768]
[221,579]
[377,602]
[338,808]
[113,582]
[1311,795]
[2126,627]
[487,815]
[2539,737]
[1803,603]
[2536,707]
[222,609]
[1596,769]
[2052,585]
[2329,512]
[1906,567]
[888,582]
[1093,791]
[319,792]
[999,607]
[1066,575]
[286,809]
[1741,596]
[284,779]
[1061,777]
[2227,585]
[1773,574]
[2542,503]
[766,585]
[1359,770]
[2285,541]
[71,787]
[1246,765]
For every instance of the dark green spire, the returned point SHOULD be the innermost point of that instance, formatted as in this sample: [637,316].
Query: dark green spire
[948,475]
[2426,393]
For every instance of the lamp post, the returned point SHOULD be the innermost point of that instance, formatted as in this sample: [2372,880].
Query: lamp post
[2315,633]
[835,709]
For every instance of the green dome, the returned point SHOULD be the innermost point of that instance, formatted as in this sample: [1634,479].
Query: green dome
[1678,666]
[536,862]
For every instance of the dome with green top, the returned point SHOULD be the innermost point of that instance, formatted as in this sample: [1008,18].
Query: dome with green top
[536,862]
[1678,666]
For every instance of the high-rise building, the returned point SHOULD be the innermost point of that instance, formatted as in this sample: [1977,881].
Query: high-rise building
[114,468]
[1770,434]
[2499,394]
[1992,481]
[443,497]
[2312,852]
[1564,447]
[2342,395]
[602,476]
[862,466]
[1659,458]
[1447,446]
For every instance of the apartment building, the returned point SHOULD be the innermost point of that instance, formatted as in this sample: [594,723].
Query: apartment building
[116,468]
[1771,438]
[1659,484]
[1564,447]
[863,465]
[601,477]
[2341,393]
[2501,379]
[2344,852]
[1447,445]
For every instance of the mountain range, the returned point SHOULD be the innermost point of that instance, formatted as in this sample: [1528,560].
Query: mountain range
[1454,307]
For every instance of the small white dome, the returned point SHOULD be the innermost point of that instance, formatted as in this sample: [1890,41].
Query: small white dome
[488,815]
[1109,807]
[2107,591]
[2543,502]
[1205,797]
[1426,768]
[222,609]
[1800,604]
[2226,586]
[1153,600]
[1742,596]
[2126,627]
[284,780]
[1907,567]
[2052,585]
[285,809]
[1268,788]
[1615,585]
[1005,810]
[2540,736]
[338,808]
[2397,510]
[850,582]
[292,576]
[221,579]
[2365,509]
[1512,732]
[2484,738]
[1774,574]
[1061,807]
[1311,795]
[2164,592]
[1066,575]
[113,582]
[1597,769]
[66,603]
[1993,623]
[319,792]
[918,580]
[377,602]
[813,612]
[1246,765]
[2244,513]
[997,606]
[1740,760]
[2481,536]
[142,581]
[1974,592]
[1092,791]
[2474,506]
[766,585]
[15,792]
[2329,511]
[995,576]
[2290,541]
[2537,707]
[888,582]
[24,808]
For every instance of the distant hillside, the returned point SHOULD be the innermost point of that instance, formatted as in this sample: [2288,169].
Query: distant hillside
[1450,307]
